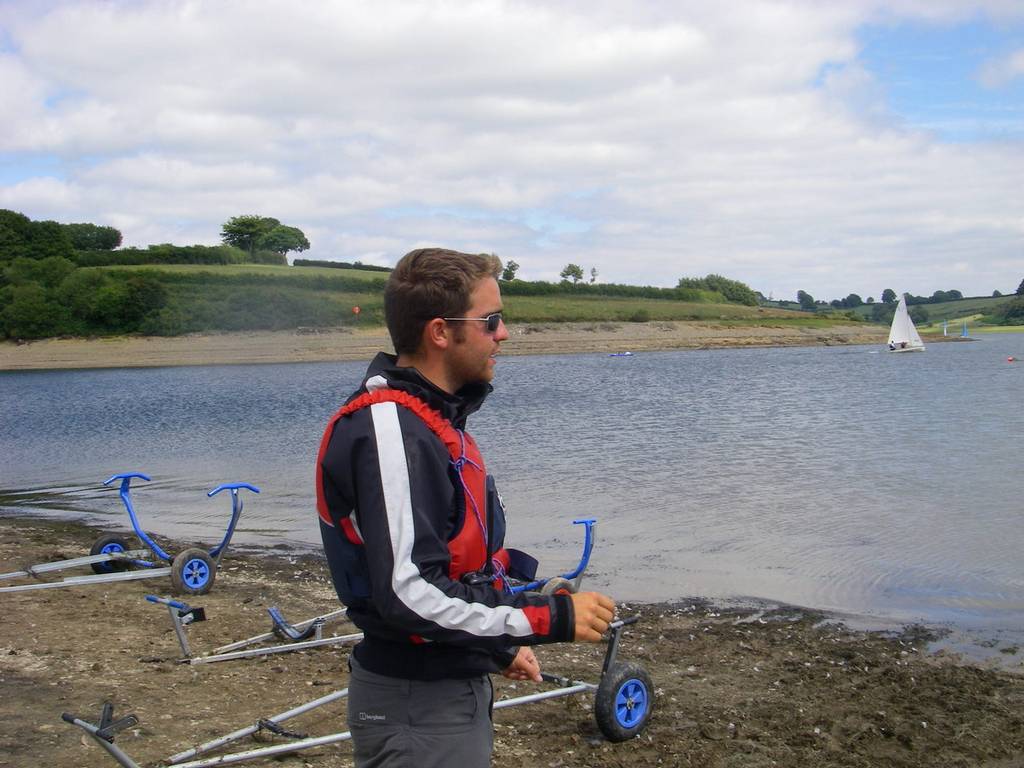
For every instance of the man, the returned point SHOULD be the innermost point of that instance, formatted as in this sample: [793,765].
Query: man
[412,526]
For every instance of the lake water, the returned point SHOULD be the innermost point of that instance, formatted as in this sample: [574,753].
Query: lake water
[839,478]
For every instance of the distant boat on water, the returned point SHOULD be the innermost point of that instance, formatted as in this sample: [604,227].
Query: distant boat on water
[903,335]
[620,354]
[963,332]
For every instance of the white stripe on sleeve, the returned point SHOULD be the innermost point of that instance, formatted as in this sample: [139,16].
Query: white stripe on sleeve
[416,593]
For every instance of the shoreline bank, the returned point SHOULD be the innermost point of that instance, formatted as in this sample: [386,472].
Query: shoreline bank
[344,344]
[739,687]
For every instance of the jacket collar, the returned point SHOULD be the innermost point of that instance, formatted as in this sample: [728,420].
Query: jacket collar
[454,407]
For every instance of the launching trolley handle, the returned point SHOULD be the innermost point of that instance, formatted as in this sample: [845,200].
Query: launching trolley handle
[615,629]
[236,511]
[588,547]
[126,497]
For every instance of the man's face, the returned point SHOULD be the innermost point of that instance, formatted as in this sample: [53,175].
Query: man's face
[471,357]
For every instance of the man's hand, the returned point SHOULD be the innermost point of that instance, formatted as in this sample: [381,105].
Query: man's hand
[524,666]
[594,612]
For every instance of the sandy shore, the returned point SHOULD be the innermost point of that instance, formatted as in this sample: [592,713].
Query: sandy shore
[309,345]
[733,687]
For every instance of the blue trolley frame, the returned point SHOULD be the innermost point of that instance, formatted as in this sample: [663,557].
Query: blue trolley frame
[115,554]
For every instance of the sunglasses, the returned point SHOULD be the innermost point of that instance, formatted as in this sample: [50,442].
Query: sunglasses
[493,320]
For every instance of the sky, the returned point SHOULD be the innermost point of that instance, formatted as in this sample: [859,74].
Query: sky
[833,148]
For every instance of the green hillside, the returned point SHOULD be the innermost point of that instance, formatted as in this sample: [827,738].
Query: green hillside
[261,297]
[961,309]
[53,297]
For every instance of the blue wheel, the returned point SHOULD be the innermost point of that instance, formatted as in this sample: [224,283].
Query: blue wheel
[109,544]
[624,701]
[193,572]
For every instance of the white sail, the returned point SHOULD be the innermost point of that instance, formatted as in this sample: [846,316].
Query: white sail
[903,336]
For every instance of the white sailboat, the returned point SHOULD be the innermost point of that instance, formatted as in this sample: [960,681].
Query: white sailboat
[903,336]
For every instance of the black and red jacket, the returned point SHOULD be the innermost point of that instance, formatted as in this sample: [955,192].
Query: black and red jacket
[404,515]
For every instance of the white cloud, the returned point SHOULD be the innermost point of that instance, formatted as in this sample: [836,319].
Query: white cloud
[1001,71]
[650,140]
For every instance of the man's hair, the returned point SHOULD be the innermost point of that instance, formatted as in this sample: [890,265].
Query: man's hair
[428,283]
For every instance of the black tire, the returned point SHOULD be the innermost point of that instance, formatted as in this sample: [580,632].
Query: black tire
[193,572]
[105,545]
[624,701]
[558,586]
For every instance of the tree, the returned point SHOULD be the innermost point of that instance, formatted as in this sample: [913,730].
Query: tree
[47,272]
[805,299]
[245,231]
[888,296]
[940,296]
[853,300]
[282,239]
[90,237]
[996,294]
[14,228]
[869,300]
[919,314]
[882,313]
[731,290]
[99,300]
[252,233]
[509,272]
[28,312]
[78,291]
[1020,289]
[20,236]
[593,275]
[574,271]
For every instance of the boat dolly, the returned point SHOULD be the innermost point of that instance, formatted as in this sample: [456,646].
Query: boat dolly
[192,571]
[623,703]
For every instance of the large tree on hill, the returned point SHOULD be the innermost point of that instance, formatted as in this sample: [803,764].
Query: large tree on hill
[254,233]
[888,296]
[805,299]
[282,239]
[245,231]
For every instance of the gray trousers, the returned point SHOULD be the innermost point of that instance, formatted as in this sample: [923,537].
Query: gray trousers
[399,723]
